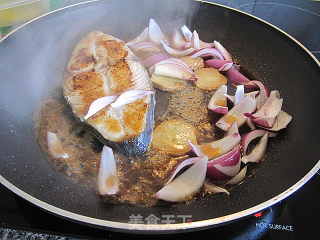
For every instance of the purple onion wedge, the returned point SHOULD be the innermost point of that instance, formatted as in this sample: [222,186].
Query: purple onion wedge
[250,124]
[195,41]
[253,95]
[212,188]
[175,52]
[225,166]
[186,33]
[281,122]
[155,35]
[237,78]
[216,148]
[221,65]
[145,46]
[269,111]
[263,95]
[150,61]
[182,165]
[207,52]
[239,177]
[55,147]
[107,176]
[239,95]
[99,104]
[185,185]
[233,129]
[131,96]
[248,104]
[250,136]
[258,151]
[177,41]
[226,55]
[174,68]
[218,101]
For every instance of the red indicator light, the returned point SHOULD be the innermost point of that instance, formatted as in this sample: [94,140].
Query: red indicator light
[258,214]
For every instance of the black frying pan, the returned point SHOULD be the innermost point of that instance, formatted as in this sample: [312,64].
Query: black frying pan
[33,60]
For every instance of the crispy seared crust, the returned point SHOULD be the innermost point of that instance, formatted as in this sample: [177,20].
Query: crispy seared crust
[102,65]
[120,77]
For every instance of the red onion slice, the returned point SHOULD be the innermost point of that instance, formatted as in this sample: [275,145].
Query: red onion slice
[250,124]
[250,136]
[175,52]
[174,68]
[226,55]
[55,147]
[229,171]
[226,166]
[116,100]
[182,165]
[218,101]
[281,122]
[177,41]
[248,104]
[225,67]
[216,148]
[185,185]
[227,159]
[107,176]
[239,177]
[263,95]
[220,110]
[186,33]
[230,98]
[205,44]
[155,34]
[99,104]
[140,38]
[237,78]
[221,65]
[195,149]
[176,61]
[145,46]
[267,114]
[239,95]
[131,96]
[236,66]
[258,151]
[150,61]
[233,129]
[210,187]
[251,94]
[195,41]
[207,52]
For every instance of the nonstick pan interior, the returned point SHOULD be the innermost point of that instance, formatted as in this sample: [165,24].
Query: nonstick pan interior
[33,60]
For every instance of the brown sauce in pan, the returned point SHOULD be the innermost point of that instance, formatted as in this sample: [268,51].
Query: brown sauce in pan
[139,178]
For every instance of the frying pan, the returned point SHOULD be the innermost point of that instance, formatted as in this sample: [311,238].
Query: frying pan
[33,59]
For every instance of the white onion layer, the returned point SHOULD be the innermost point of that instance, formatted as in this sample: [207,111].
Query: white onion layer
[239,177]
[55,147]
[185,185]
[108,183]
[248,104]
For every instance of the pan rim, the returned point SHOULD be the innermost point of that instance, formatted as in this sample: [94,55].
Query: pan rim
[156,228]
[163,228]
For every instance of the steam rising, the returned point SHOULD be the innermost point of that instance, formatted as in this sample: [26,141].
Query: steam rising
[34,58]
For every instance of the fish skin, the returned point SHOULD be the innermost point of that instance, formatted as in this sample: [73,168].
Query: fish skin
[102,65]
